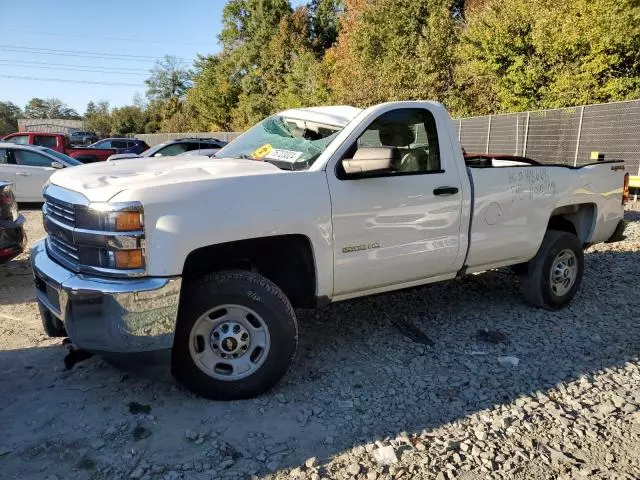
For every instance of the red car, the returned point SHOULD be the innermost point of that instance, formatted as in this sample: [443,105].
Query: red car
[60,143]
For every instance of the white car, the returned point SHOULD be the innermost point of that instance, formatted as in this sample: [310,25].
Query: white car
[205,152]
[175,147]
[206,259]
[29,168]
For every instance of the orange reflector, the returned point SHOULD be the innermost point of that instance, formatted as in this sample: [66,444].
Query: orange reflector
[129,259]
[128,221]
[625,189]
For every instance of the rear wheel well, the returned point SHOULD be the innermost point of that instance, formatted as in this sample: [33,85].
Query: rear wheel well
[576,219]
[286,260]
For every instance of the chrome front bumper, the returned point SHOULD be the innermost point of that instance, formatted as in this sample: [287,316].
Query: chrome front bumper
[106,315]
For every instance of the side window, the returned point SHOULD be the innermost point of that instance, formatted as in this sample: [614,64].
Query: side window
[173,149]
[44,141]
[19,139]
[103,144]
[411,132]
[193,146]
[31,159]
[118,144]
[3,156]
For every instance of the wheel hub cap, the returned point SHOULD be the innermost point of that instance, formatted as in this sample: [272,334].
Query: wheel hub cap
[563,272]
[229,342]
[230,338]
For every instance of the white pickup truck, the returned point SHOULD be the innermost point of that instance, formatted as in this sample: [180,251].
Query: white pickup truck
[206,258]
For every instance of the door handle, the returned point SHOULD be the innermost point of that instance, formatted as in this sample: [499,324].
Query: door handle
[22,174]
[445,191]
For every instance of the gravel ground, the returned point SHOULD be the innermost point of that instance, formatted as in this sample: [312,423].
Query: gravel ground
[393,386]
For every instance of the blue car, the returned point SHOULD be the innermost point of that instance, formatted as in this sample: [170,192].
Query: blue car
[122,145]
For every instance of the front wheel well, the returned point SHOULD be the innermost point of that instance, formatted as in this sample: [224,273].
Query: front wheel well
[286,260]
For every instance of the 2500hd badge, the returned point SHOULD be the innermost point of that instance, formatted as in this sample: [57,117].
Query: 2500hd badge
[359,248]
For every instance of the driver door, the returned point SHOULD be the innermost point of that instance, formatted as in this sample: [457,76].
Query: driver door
[402,225]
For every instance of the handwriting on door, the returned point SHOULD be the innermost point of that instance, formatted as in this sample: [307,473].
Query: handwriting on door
[531,183]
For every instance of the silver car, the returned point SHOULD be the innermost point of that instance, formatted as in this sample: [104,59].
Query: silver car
[174,147]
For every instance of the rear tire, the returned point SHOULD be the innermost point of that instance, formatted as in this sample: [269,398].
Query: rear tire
[236,336]
[553,276]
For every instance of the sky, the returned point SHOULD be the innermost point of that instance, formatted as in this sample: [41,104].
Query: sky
[113,44]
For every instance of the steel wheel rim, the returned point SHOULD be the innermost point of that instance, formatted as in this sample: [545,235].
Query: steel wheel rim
[564,271]
[229,342]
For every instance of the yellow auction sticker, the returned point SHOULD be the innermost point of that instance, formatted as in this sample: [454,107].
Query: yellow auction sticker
[262,152]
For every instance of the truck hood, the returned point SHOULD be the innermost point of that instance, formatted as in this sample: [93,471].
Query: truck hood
[101,181]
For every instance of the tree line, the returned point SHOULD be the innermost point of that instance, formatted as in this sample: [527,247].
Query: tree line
[475,56]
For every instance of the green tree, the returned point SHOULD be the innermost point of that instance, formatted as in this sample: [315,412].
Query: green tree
[248,26]
[97,118]
[325,22]
[169,80]
[49,108]
[9,115]
[518,55]
[393,50]
[127,120]
[293,75]
[215,93]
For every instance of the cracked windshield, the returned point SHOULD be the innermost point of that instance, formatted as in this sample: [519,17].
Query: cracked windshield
[289,143]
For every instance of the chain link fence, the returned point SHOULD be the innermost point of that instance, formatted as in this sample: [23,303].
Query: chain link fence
[565,135]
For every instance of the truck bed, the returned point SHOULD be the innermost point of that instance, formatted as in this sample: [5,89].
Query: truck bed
[512,199]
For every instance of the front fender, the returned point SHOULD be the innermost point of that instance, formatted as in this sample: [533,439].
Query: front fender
[180,219]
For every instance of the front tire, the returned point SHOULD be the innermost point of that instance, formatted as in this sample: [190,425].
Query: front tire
[553,276]
[236,336]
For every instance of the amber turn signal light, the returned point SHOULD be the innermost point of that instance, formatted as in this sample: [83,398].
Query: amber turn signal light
[129,259]
[128,221]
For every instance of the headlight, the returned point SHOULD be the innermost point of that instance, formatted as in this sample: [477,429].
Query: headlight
[107,217]
[106,237]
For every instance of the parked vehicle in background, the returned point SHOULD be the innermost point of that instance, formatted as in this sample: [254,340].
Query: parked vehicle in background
[83,138]
[131,146]
[175,147]
[12,236]
[308,207]
[29,168]
[205,152]
[60,143]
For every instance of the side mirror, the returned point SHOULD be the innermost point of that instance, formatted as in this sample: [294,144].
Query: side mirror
[371,160]
[55,164]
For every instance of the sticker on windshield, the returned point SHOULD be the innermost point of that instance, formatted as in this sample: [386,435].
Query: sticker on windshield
[283,155]
[262,151]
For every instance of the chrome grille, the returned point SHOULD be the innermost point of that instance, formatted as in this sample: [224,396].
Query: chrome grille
[68,251]
[59,211]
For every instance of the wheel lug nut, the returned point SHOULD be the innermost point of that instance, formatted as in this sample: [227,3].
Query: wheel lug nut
[216,335]
[225,328]
[244,336]
[236,329]
[244,347]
